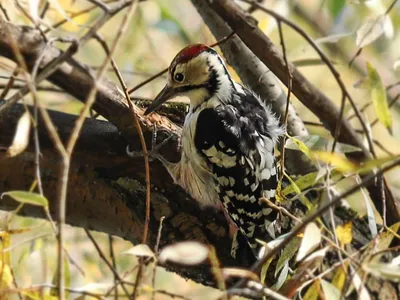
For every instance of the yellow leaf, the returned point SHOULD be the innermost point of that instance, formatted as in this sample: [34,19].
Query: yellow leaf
[344,234]
[5,244]
[336,160]
[379,99]
[263,24]
[303,198]
[313,291]
[6,278]
[339,278]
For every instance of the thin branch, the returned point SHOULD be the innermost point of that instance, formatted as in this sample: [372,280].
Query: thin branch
[114,264]
[103,257]
[325,59]
[319,212]
[285,119]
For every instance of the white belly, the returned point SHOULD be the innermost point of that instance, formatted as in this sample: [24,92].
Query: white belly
[194,173]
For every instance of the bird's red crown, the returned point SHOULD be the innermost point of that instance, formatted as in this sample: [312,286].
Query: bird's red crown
[188,53]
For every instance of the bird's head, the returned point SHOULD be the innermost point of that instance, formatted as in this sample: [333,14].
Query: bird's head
[195,72]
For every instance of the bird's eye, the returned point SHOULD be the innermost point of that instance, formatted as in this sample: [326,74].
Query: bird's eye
[179,77]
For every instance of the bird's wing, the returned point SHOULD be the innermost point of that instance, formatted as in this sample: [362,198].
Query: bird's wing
[242,160]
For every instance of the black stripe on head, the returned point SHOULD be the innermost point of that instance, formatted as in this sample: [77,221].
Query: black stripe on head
[210,85]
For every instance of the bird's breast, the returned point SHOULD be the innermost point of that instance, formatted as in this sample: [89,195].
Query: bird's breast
[195,174]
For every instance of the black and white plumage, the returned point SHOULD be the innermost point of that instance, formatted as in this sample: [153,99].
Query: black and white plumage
[228,142]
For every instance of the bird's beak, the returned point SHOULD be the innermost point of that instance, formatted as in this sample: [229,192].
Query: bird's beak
[166,93]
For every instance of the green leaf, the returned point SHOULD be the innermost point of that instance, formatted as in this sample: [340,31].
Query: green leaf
[335,7]
[379,99]
[264,269]
[296,144]
[300,184]
[371,164]
[296,189]
[316,142]
[288,253]
[27,198]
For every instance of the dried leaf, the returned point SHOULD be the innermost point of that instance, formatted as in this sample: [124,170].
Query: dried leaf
[21,137]
[304,273]
[141,250]
[370,211]
[311,239]
[384,240]
[344,233]
[358,285]
[396,65]
[383,270]
[395,261]
[334,38]
[186,253]
[371,31]
[242,273]
[27,198]
[330,291]
[379,98]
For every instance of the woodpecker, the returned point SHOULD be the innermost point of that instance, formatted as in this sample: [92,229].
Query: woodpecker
[228,141]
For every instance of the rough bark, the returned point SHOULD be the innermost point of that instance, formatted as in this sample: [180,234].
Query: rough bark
[106,189]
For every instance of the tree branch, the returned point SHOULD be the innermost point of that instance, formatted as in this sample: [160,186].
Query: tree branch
[106,191]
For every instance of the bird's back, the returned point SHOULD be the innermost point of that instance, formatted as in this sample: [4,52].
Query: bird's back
[237,140]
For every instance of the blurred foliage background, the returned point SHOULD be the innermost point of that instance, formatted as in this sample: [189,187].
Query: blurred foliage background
[158,30]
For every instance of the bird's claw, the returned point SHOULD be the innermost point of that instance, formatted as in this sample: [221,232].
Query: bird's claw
[154,152]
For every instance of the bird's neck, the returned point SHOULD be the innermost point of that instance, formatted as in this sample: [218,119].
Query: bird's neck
[219,88]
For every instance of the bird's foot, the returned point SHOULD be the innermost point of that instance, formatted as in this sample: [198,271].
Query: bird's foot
[155,148]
